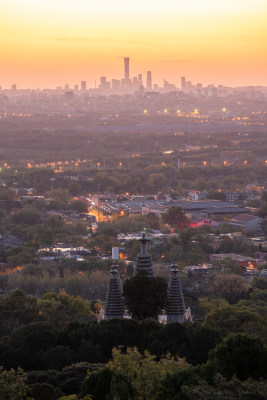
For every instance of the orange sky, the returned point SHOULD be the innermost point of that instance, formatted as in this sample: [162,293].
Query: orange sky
[66,41]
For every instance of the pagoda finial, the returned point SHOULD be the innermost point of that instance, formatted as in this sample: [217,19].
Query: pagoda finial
[144,241]
[174,268]
[144,260]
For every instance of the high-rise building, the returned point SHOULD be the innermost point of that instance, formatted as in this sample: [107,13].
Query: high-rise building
[126,68]
[144,260]
[83,85]
[114,307]
[103,80]
[175,308]
[140,79]
[116,84]
[103,83]
[135,83]
[189,85]
[183,83]
[149,80]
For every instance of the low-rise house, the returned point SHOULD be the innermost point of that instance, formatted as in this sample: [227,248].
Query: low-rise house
[9,241]
[232,196]
[241,261]
[197,222]
[201,268]
[250,223]
[196,195]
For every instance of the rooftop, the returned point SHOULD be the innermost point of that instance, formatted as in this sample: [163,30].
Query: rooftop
[244,218]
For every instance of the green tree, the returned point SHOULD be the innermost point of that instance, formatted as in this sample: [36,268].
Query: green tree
[240,354]
[223,389]
[60,309]
[145,297]
[79,206]
[156,180]
[17,309]
[216,195]
[55,222]
[28,215]
[226,246]
[232,318]
[13,384]
[231,287]
[175,216]
[108,384]
[144,371]
[43,391]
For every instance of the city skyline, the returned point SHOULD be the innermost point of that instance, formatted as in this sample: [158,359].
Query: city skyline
[47,45]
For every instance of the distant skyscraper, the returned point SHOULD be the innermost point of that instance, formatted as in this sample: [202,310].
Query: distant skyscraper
[183,83]
[126,68]
[103,80]
[149,80]
[14,87]
[76,87]
[116,84]
[83,85]
[140,79]
[135,83]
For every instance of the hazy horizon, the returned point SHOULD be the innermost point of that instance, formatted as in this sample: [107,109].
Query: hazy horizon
[51,44]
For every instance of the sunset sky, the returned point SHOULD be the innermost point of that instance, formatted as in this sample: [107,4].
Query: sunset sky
[52,42]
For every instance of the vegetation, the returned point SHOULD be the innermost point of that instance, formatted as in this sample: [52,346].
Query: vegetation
[145,297]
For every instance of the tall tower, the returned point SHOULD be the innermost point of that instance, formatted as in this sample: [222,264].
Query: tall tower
[175,308]
[144,260]
[149,80]
[178,164]
[183,83]
[114,307]
[126,68]
[83,85]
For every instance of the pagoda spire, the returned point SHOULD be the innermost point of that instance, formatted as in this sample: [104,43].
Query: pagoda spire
[144,260]
[114,307]
[175,308]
